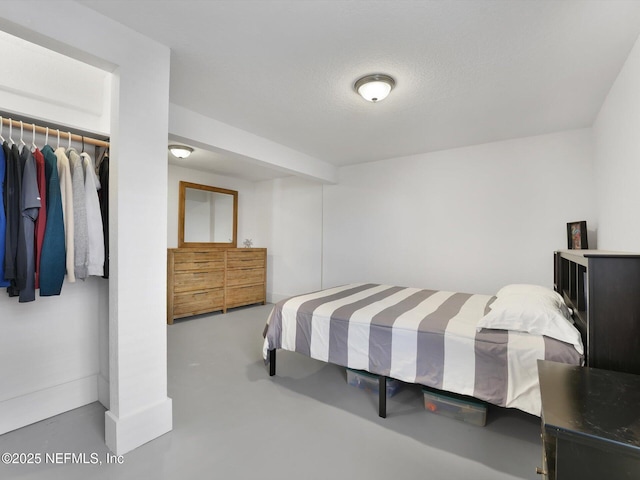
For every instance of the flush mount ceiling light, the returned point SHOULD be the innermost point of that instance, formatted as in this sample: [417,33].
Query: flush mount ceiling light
[180,151]
[374,88]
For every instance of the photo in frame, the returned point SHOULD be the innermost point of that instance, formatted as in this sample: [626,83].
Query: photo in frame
[577,235]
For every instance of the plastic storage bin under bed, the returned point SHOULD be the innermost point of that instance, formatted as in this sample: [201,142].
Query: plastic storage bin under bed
[369,382]
[451,405]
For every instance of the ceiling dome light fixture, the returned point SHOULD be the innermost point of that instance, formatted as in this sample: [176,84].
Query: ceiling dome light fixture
[374,88]
[180,151]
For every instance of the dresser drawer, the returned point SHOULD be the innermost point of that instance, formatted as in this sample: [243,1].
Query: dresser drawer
[237,296]
[198,260]
[245,276]
[194,303]
[245,258]
[194,281]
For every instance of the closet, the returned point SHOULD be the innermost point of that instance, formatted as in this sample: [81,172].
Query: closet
[54,348]
[54,323]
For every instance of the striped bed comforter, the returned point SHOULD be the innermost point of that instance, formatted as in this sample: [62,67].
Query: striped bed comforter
[419,336]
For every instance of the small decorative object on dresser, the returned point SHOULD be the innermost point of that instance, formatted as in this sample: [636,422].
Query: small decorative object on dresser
[577,235]
[248,243]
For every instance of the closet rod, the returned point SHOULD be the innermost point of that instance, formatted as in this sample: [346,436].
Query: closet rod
[28,128]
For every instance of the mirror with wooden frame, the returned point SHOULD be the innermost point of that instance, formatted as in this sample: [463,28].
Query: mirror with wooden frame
[207,216]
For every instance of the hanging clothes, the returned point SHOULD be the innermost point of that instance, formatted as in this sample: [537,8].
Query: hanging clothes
[103,195]
[3,218]
[94,218]
[13,184]
[80,228]
[41,221]
[66,196]
[54,218]
[53,257]
[29,208]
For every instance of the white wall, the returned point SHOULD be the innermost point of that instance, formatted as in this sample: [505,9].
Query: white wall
[289,213]
[617,160]
[49,348]
[53,87]
[283,215]
[247,223]
[469,219]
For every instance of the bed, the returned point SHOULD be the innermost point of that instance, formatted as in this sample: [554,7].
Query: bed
[450,341]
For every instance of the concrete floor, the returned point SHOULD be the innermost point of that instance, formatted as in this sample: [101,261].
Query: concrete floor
[232,421]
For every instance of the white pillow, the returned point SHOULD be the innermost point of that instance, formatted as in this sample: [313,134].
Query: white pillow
[537,291]
[535,314]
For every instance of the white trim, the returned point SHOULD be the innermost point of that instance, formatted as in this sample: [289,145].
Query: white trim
[33,407]
[126,433]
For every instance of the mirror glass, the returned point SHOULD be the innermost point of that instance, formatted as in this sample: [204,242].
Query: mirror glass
[207,216]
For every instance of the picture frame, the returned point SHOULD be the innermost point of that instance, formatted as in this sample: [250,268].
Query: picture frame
[577,235]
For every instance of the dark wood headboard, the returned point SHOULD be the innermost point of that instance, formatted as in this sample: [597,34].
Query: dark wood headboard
[603,290]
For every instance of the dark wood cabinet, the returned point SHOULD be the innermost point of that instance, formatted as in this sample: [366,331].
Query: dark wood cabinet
[603,290]
[590,423]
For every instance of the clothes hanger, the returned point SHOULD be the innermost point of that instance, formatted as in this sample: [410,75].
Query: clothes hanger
[69,147]
[58,139]
[10,131]
[82,144]
[1,127]
[46,137]
[22,134]
[33,137]
[104,154]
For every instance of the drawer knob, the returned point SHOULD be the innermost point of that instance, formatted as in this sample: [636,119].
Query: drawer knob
[540,471]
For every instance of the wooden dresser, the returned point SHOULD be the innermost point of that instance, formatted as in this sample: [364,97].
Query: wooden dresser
[202,280]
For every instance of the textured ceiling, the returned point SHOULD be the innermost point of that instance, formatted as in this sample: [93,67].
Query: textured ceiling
[467,72]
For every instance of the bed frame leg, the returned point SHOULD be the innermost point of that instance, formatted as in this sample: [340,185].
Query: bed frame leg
[382,396]
[272,362]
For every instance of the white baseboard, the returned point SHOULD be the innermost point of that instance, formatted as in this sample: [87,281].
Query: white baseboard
[32,407]
[123,434]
